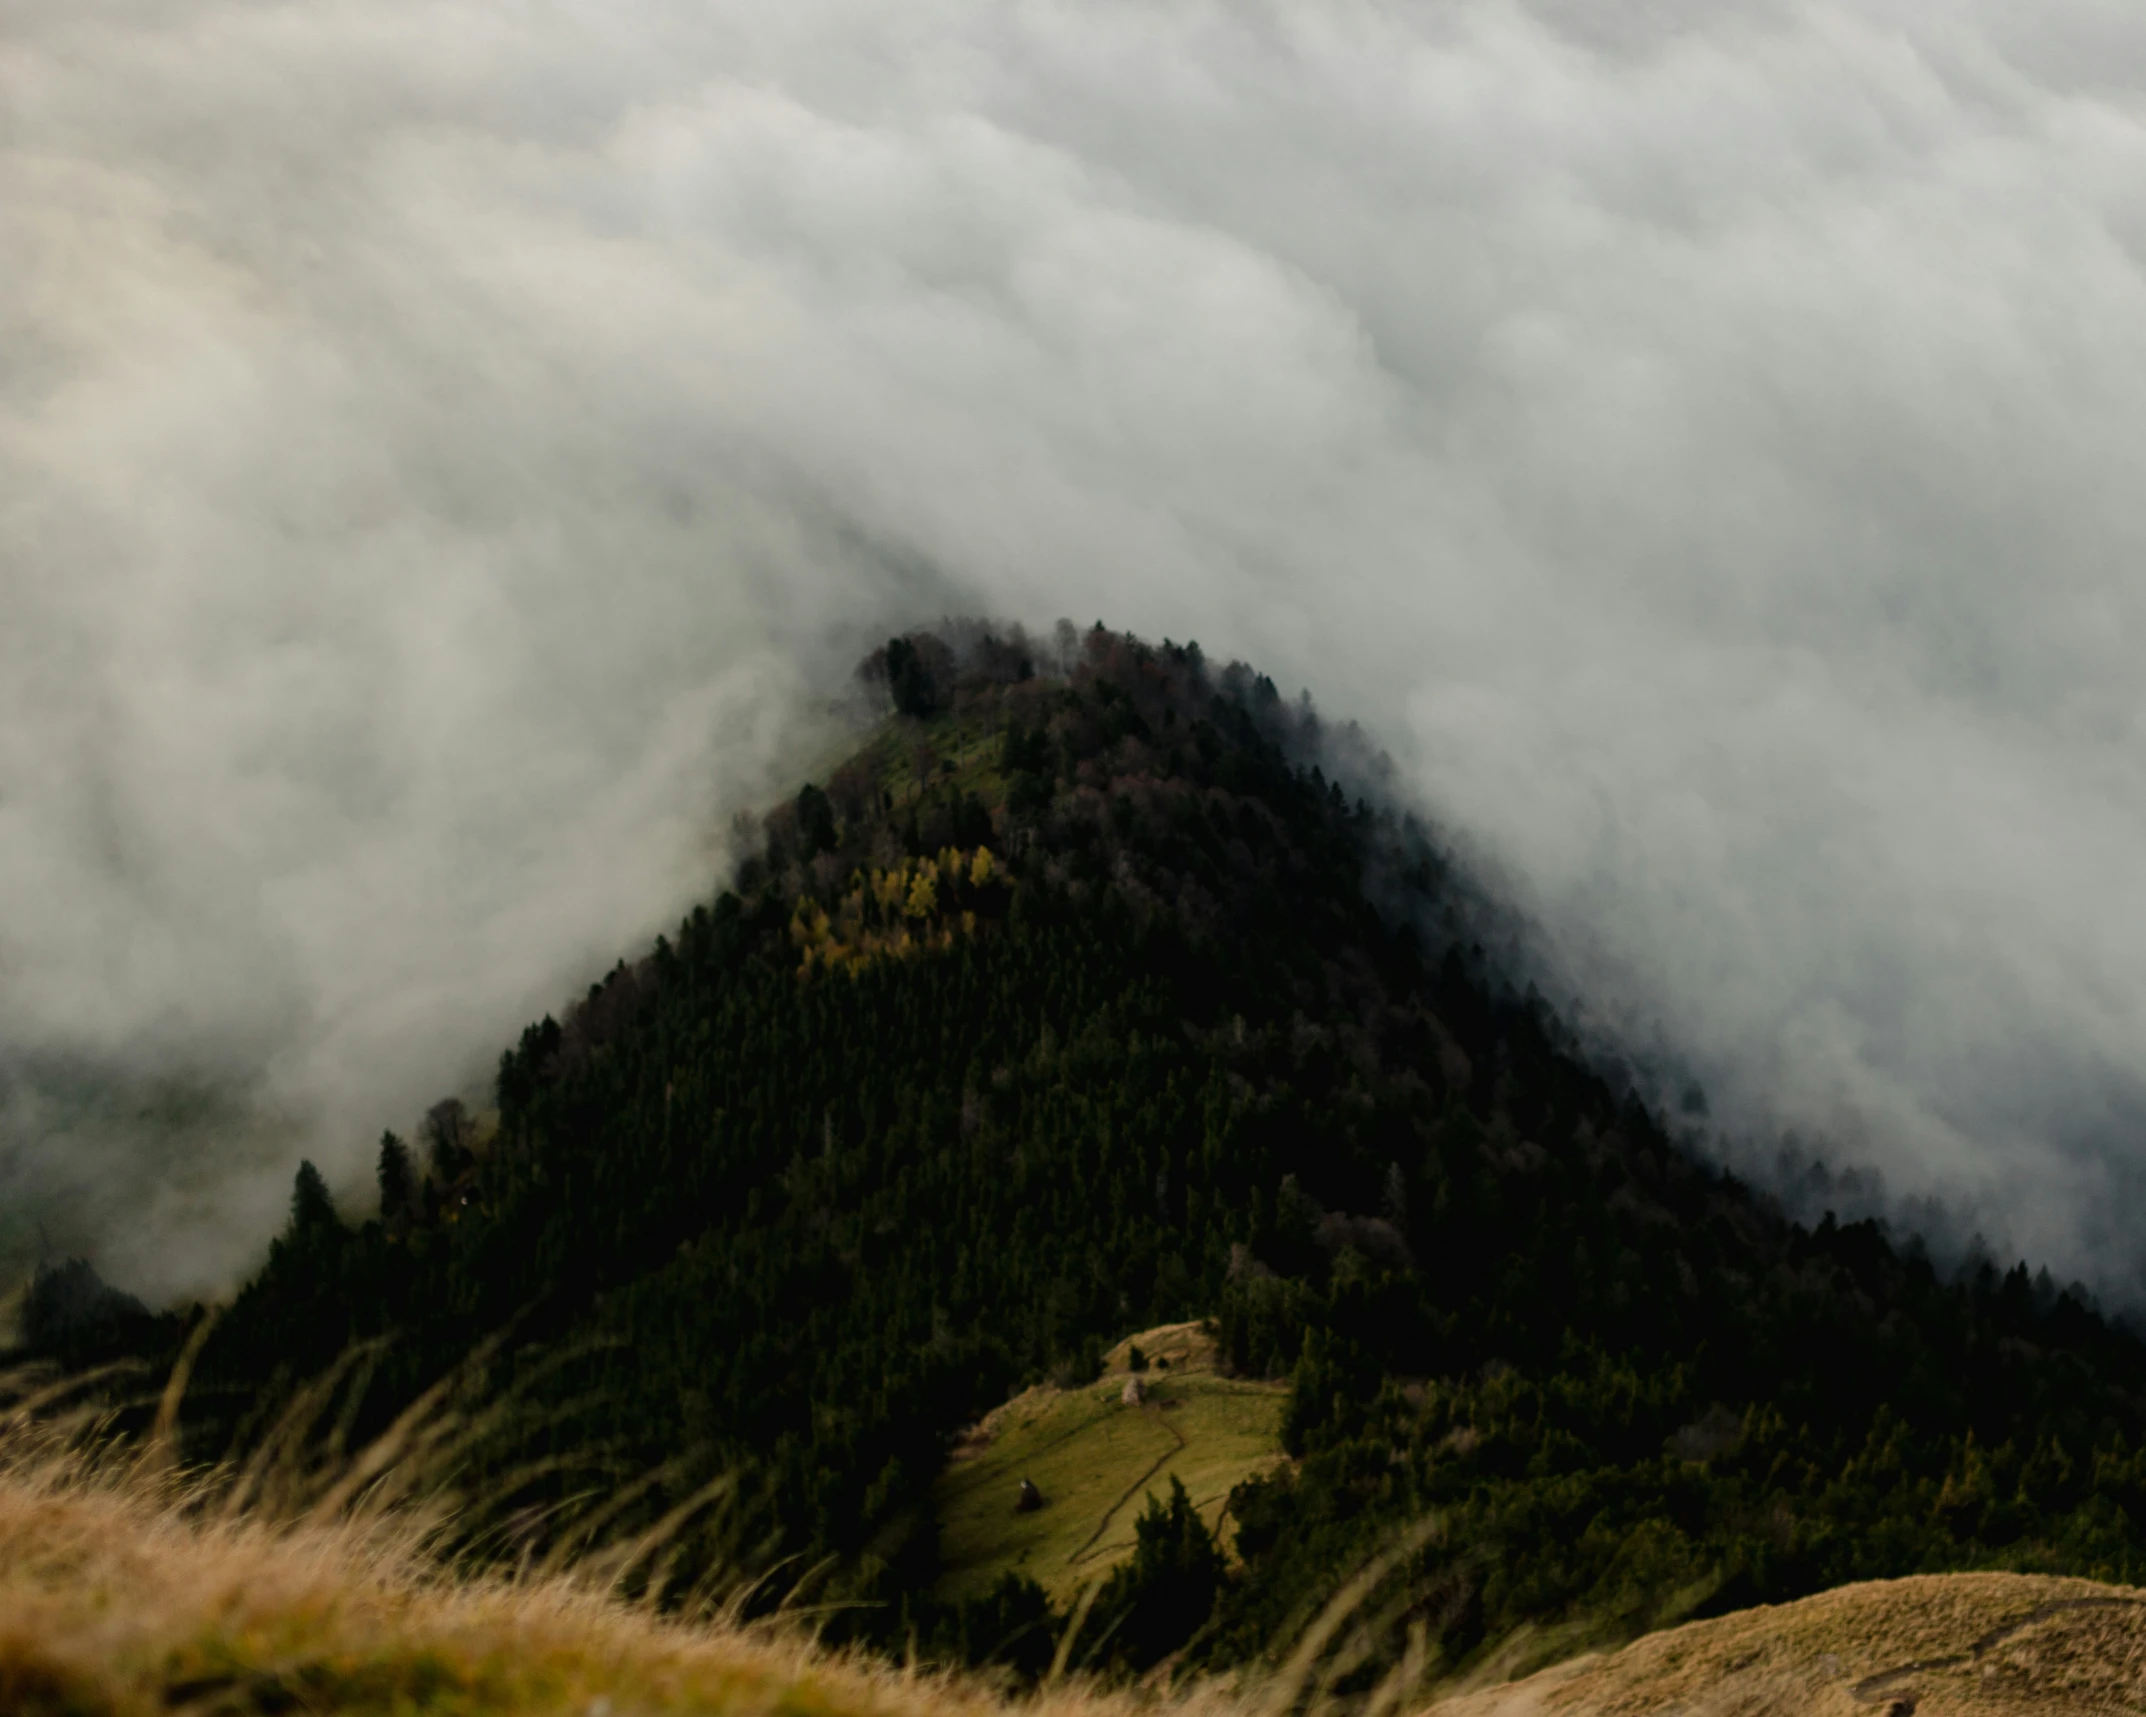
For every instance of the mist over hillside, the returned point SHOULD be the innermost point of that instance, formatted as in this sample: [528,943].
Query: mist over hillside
[449,457]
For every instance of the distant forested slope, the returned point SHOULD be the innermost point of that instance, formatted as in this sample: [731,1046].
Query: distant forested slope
[1081,1001]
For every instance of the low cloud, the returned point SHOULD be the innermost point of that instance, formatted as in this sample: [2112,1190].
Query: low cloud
[447,453]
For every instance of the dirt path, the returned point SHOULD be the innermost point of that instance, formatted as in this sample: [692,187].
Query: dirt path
[1880,1687]
[1987,1644]
[1154,1410]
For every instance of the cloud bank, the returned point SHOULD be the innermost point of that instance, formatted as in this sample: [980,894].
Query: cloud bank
[447,449]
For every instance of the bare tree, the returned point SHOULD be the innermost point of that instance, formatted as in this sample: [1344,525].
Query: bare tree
[448,1134]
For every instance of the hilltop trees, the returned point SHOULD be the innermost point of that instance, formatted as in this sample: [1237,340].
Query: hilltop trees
[448,1133]
[398,1185]
[1125,1012]
[312,1210]
[918,672]
[72,1314]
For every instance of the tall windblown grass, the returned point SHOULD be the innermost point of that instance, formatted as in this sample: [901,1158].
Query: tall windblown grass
[128,1586]
[310,1577]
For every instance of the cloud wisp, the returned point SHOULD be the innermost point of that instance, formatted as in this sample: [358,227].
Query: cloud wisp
[445,449]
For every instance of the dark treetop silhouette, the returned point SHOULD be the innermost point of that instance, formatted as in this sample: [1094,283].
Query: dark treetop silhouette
[1083,999]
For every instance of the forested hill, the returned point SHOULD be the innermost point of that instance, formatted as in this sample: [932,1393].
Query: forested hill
[1081,1001]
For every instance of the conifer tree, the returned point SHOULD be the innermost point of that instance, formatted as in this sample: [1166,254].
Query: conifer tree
[397,1183]
[1160,1599]
[312,1210]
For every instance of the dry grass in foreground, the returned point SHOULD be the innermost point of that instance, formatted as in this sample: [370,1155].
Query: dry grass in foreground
[125,1591]
[1940,1645]
[115,1601]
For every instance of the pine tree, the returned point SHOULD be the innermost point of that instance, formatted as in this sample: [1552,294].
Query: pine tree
[312,1210]
[815,820]
[446,1132]
[1160,1599]
[397,1183]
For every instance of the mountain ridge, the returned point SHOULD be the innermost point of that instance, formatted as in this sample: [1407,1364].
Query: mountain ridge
[1080,1002]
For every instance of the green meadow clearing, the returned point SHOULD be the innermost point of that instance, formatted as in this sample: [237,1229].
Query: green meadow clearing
[1096,1458]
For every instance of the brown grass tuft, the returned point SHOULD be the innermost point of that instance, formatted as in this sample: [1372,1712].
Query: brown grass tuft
[120,1597]
[1936,1645]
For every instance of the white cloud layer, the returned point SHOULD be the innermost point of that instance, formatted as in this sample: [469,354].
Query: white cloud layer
[446,445]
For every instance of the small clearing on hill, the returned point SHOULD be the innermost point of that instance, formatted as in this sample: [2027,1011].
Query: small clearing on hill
[1097,1458]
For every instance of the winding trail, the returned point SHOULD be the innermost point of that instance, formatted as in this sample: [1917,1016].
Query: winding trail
[1873,1688]
[1154,1410]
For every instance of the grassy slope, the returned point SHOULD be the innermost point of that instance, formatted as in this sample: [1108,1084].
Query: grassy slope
[1097,1460]
[967,757]
[114,1603]
[1939,1645]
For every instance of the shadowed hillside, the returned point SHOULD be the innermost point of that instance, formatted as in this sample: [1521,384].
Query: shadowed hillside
[1098,991]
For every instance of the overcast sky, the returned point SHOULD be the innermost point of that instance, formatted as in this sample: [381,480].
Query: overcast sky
[450,448]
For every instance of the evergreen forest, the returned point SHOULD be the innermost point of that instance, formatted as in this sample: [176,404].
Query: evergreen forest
[1100,989]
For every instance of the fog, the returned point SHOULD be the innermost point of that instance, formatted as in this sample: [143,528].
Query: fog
[449,452]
